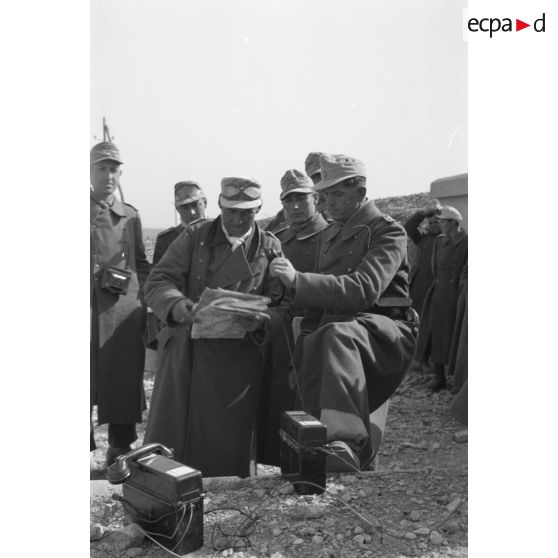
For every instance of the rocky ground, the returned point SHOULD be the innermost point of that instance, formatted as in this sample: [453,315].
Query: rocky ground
[414,505]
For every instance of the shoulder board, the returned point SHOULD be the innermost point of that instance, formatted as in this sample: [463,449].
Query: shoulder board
[166,231]
[130,205]
[279,231]
[387,218]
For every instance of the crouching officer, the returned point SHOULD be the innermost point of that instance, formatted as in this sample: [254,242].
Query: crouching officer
[363,343]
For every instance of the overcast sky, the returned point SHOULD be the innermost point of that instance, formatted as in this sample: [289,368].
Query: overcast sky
[202,89]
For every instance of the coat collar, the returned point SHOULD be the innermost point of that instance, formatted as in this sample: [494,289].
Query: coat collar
[116,207]
[216,236]
[361,218]
[313,227]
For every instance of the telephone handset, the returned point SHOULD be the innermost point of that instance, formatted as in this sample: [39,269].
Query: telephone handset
[119,471]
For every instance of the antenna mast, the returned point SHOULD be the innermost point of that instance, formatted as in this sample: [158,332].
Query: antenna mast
[108,137]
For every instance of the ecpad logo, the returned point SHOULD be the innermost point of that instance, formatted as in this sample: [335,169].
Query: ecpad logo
[494,24]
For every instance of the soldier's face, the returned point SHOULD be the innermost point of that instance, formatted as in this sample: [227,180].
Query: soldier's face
[300,207]
[448,225]
[434,225]
[342,201]
[192,211]
[105,177]
[238,221]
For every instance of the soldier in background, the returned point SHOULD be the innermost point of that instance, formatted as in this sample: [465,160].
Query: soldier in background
[299,243]
[191,204]
[439,310]
[117,273]
[312,168]
[421,268]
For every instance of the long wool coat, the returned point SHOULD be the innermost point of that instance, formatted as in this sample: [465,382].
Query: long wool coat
[356,358]
[117,321]
[440,304]
[421,268]
[207,391]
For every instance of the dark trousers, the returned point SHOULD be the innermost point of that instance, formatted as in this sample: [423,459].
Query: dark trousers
[119,436]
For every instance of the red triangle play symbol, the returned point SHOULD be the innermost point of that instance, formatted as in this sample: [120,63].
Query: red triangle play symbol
[519,25]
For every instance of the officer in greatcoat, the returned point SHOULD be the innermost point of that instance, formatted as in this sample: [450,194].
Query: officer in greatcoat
[206,394]
[439,311]
[299,243]
[118,270]
[361,348]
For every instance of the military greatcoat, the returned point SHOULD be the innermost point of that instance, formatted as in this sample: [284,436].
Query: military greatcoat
[356,358]
[117,321]
[440,304]
[206,393]
[421,268]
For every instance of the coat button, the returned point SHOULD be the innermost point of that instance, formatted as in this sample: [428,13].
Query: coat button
[198,277]
[349,269]
[201,243]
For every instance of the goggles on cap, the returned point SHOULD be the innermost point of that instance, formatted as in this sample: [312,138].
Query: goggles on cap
[231,190]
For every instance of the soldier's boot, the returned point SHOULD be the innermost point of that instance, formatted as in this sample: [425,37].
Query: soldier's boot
[439,381]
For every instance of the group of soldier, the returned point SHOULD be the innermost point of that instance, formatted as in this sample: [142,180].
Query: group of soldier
[337,339]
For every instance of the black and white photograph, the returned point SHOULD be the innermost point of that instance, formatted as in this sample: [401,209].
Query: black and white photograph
[279,248]
[278,276]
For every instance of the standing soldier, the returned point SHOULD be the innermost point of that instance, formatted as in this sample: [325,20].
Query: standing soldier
[300,235]
[299,243]
[207,391]
[191,204]
[421,269]
[440,304]
[118,269]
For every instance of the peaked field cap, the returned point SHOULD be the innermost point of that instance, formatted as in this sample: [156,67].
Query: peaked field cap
[336,168]
[240,192]
[187,191]
[312,163]
[449,212]
[103,151]
[295,181]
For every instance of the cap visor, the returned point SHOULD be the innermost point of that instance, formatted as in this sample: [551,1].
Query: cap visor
[99,159]
[302,190]
[324,184]
[188,200]
[239,204]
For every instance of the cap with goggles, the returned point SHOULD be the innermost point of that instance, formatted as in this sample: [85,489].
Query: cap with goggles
[240,193]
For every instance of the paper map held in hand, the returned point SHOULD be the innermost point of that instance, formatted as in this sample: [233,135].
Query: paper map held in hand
[219,313]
